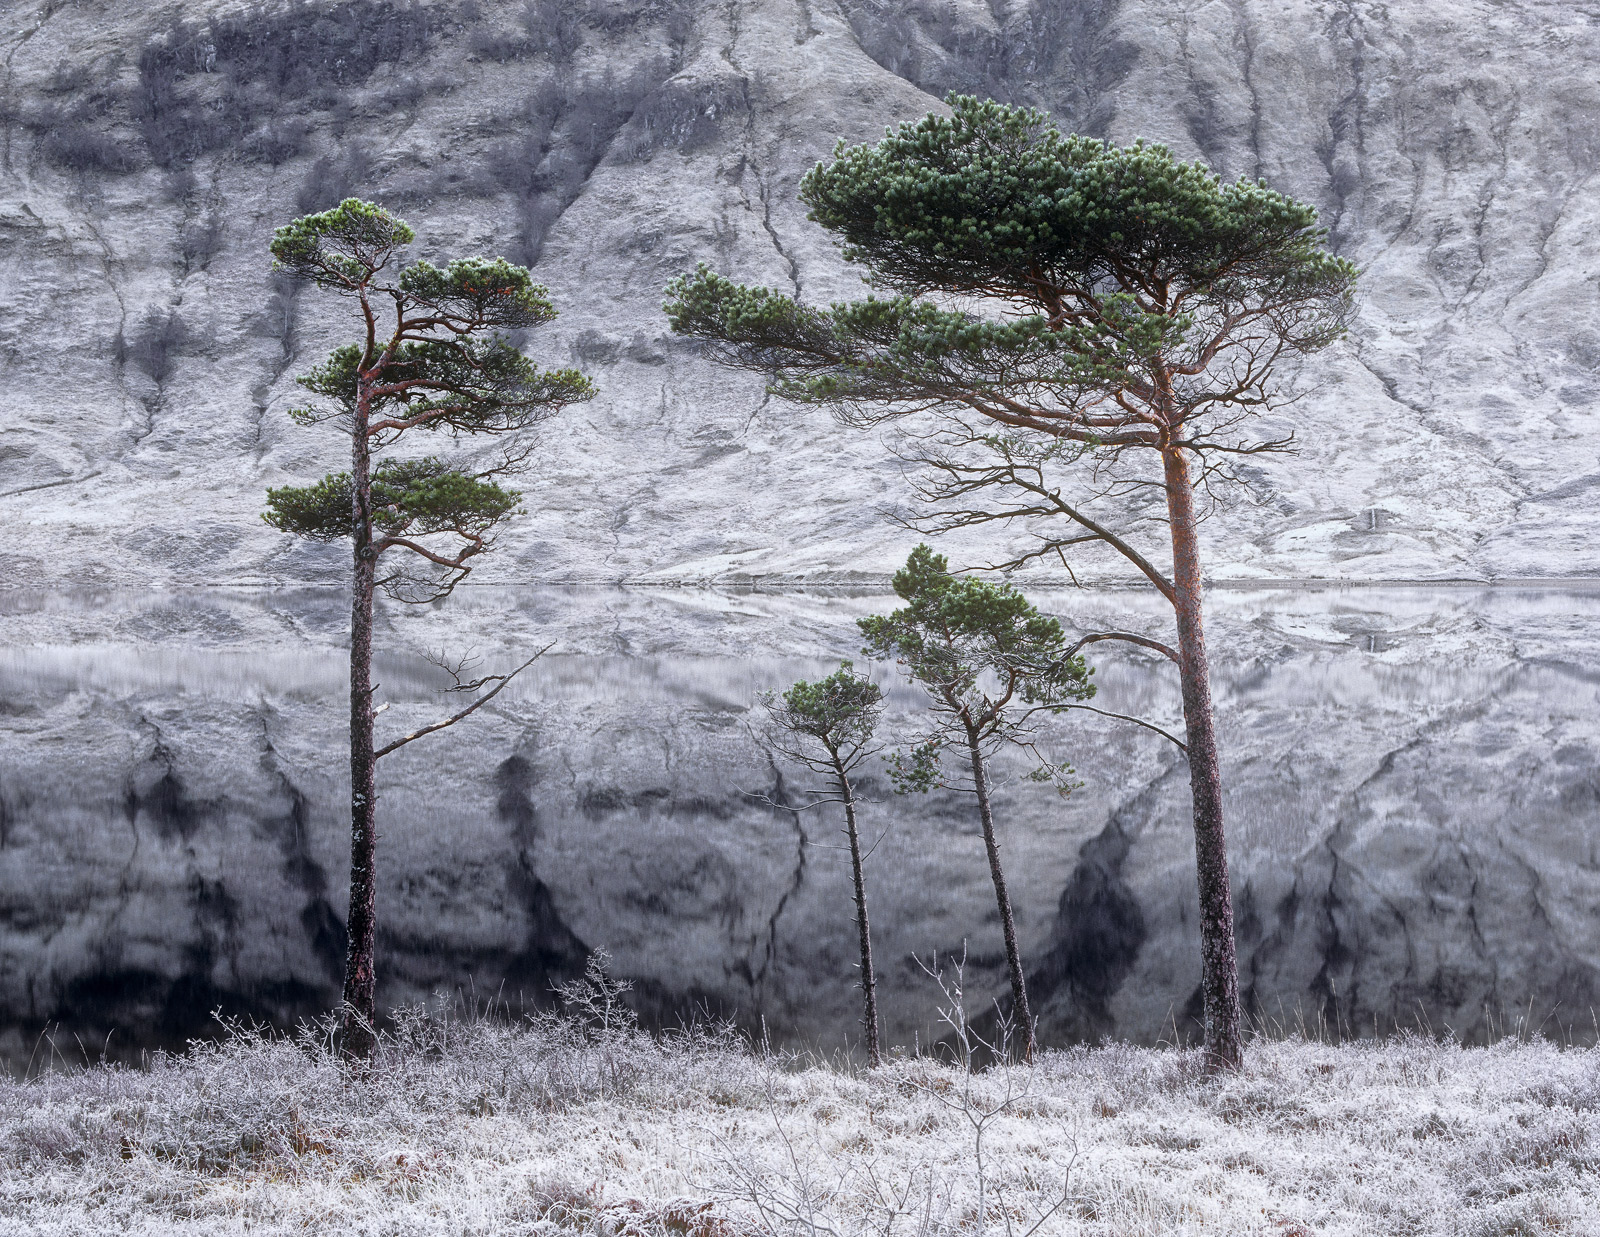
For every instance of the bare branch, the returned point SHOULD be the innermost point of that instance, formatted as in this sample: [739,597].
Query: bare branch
[1121,717]
[1143,641]
[472,708]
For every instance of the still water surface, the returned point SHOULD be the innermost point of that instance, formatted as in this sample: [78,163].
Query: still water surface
[1413,781]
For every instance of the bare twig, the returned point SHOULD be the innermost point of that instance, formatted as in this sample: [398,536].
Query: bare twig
[499,680]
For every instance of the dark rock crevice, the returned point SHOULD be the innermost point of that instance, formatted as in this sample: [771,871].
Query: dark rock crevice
[550,952]
[1066,56]
[1099,928]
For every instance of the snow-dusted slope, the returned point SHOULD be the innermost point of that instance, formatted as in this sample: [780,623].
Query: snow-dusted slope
[1452,148]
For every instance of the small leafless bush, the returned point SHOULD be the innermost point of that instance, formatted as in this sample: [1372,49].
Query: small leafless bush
[200,240]
[332,179]
[553,28]
[808,1192]
[277,142]
[78,147]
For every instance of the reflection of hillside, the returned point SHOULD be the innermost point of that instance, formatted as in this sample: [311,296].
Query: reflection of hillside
[1412,828]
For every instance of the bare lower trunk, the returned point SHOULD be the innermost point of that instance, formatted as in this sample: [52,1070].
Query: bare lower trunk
[1219,976]
[869,980]
[1019,989]
[356,1034]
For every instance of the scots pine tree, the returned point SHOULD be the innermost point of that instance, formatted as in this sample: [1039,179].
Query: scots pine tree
[429,358]
[828,727]
[1084,332]
[989,662]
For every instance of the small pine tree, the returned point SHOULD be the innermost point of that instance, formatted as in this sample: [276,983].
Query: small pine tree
[989,662]
[430,358]
[828,727]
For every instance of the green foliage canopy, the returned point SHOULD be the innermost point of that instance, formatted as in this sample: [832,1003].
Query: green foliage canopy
[840,712]
[463,385]
[978,649]
[1117,280]
[433,357]
[409,497]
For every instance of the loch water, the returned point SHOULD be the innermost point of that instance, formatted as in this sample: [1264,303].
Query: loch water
[1412,778]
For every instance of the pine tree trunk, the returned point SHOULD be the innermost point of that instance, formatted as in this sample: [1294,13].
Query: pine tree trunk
[1219,976]
[356,1034]
[1019,989]
[869,980]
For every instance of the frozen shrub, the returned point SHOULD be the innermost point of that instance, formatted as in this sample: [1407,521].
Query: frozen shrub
[579,1122]
[277,142]
[552,28]
[200,240]
[488,43]
[401,98]
[76,146]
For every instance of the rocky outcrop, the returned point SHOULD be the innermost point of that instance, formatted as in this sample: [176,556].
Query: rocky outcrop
[151,353]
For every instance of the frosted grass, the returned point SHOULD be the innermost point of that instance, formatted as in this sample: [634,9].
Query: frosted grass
[481,1126]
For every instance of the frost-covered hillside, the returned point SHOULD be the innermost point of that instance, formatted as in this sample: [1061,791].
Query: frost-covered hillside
[148,151]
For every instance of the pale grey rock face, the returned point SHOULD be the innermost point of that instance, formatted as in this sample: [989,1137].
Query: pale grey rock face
[1450,149]
[1410,781]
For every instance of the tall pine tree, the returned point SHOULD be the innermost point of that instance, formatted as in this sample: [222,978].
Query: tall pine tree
[430,357]
[1059,307]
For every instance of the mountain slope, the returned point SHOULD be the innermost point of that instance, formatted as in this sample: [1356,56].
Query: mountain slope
[149,153]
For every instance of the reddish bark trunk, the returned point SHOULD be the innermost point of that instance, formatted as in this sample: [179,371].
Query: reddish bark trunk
[869,980]
[1019,988]
[356,1030]
[1219,975]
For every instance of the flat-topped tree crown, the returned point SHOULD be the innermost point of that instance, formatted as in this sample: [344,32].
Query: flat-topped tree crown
[840,712]
[1106,263]
[463,385]
[996,200]
[343,248]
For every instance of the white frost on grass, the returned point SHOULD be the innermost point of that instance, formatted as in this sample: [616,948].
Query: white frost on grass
[481,1127]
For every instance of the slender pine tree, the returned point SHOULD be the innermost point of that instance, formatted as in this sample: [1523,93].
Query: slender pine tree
[828,727]
[990,663]
[430,357]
